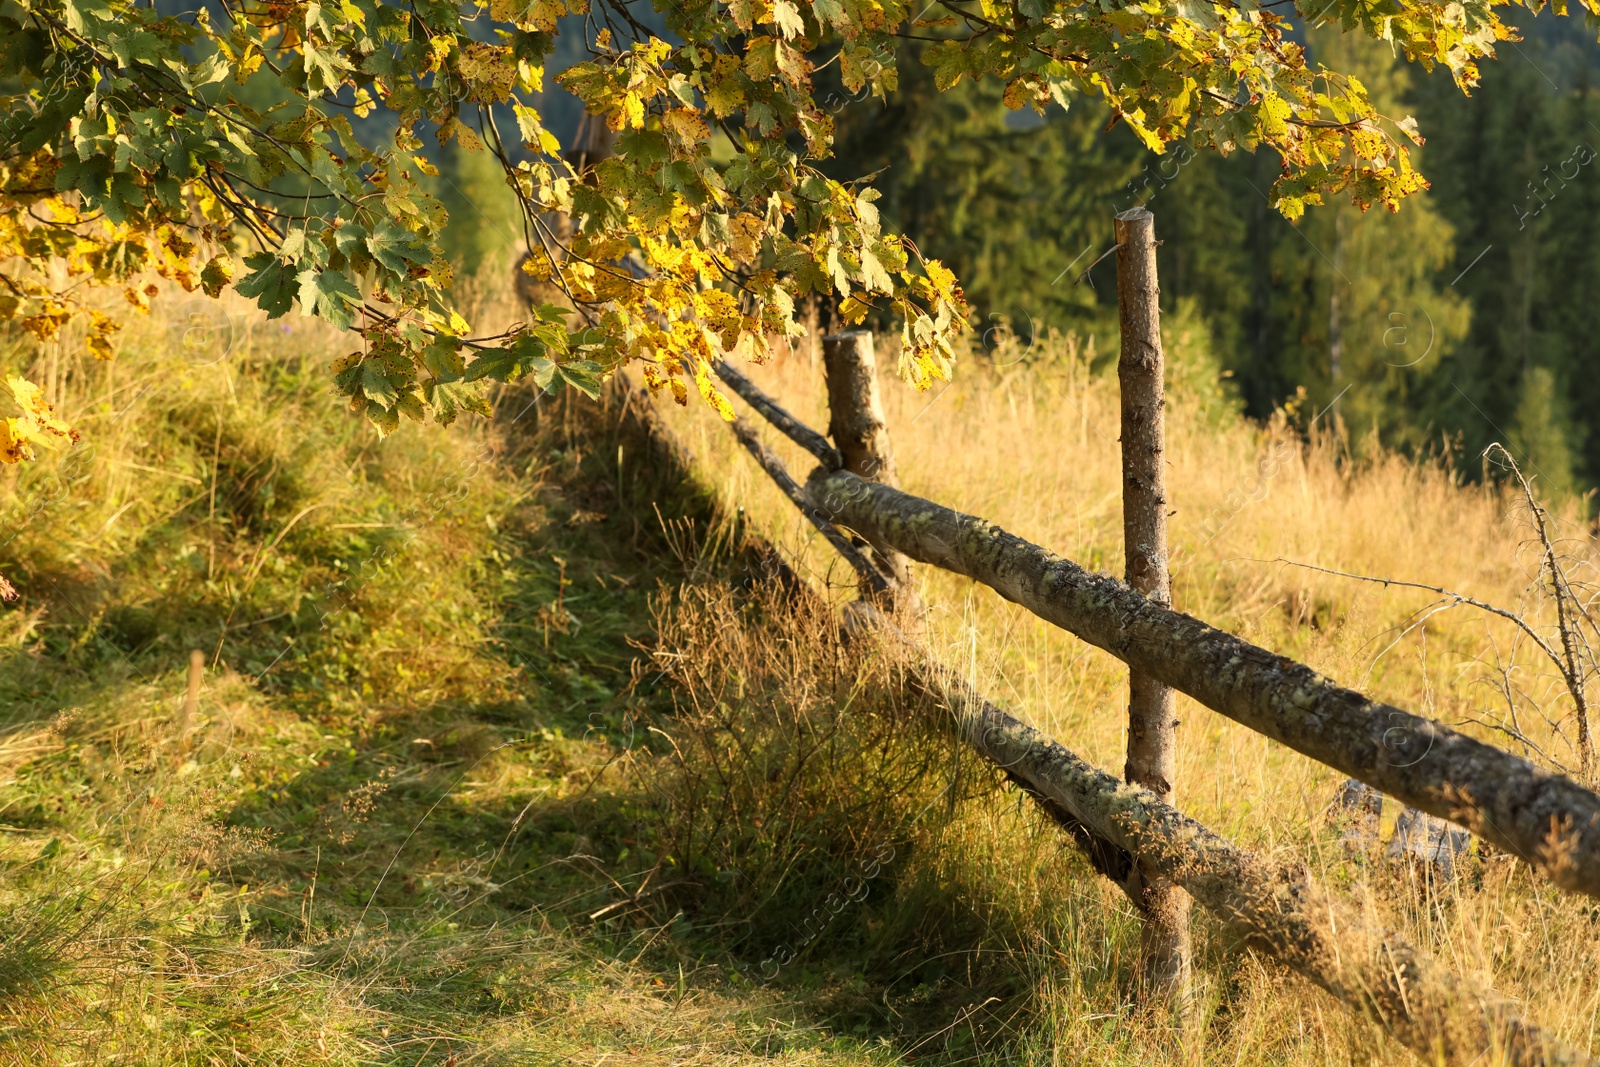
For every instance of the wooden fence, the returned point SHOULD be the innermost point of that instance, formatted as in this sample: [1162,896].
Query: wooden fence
[1131,833]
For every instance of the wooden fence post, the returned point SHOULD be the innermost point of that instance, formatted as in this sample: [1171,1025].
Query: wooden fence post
[1164,962]
[855,422]
[1278,909]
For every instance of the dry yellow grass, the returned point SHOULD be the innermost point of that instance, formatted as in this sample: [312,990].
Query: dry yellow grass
[1032,446]
[181,956]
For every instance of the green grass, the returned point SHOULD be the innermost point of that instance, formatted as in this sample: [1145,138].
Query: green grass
[405,787]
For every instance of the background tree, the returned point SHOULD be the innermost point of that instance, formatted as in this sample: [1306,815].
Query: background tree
[1442,311]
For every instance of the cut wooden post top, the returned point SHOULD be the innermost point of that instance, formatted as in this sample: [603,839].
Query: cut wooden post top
[855,410]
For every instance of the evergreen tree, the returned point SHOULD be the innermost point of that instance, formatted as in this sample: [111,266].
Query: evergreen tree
[1539,434]
[1017,205]
[1514,170]
[1366,319]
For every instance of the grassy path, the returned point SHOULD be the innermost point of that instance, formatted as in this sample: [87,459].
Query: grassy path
[405,786]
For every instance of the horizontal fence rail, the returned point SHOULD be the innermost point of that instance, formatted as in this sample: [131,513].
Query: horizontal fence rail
[1545,819]
[1278,910]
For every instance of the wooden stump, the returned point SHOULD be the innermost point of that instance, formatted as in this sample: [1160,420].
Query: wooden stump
[855,422]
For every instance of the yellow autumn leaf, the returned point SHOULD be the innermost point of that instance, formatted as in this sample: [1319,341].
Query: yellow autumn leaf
[686,124]
[786,16]
[29,421]
[438,50]
[942,277]
[101,327]
[702,378]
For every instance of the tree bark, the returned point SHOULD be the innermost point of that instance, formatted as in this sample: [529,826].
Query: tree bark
[1164,957]
[855,412]
[191,700]
[1546,819]
[855,422]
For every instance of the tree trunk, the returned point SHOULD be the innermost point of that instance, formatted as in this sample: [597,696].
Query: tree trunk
[1164,958]
[855,422]
[855,413]
[1335,319]
[191,700]
[1546,819]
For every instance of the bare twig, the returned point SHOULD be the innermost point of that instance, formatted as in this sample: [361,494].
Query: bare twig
[1574,674]
[773,465]
[1458,598]
[781,420]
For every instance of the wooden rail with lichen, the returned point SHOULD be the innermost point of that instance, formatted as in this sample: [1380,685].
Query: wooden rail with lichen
[1546,819]
[1282,911]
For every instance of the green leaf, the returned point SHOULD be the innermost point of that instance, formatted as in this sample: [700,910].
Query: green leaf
[451,398]
[21,49]
[583,374]
[271,284]
[330,295]
[375,385]
[442,357]
[350,238]
[324,70]
[294,245]
[387,420]
[510,362]
[85,16]
[397,248]
[138,47]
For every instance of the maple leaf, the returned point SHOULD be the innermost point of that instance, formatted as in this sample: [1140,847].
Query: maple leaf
[511,362]
[26,420]
[584,375]
[271,283]
[449,399]
[329,295]
[786,16]
[710,393]
[216,275]
[397,248]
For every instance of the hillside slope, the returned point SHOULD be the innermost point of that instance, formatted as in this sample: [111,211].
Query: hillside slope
[377,836]
[501,756]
